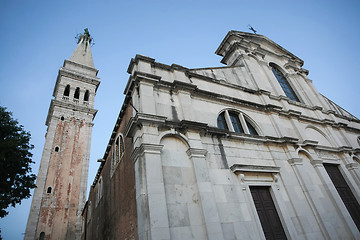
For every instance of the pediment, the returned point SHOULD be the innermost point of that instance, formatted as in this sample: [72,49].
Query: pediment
[252,44]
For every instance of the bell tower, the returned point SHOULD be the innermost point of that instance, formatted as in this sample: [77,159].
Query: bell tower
[62,179]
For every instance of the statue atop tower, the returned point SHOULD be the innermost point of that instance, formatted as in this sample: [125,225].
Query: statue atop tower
[62,179]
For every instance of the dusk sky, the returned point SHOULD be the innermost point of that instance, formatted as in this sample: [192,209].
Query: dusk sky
[37,36]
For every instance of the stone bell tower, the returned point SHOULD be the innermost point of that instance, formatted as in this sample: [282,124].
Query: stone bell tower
[62,179]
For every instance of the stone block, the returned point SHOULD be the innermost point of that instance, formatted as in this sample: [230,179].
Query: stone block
[195,214]
[178,215]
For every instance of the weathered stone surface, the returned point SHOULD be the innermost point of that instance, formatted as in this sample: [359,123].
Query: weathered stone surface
[62,179]
[183,177]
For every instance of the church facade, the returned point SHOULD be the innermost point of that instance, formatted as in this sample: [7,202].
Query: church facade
[247,151]
[250,150]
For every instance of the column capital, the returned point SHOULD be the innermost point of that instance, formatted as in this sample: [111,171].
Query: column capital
[146,148]
[195,152]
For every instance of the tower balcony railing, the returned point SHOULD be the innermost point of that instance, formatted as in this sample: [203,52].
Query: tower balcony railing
[65,98]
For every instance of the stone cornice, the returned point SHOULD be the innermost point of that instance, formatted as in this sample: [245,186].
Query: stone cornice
[352,166]
[73,107]
[269,107]
[195,152]
[90,69]
[184,125]
[139,119]
[236,168]
[295,161]
[195,90]
[146,149]
[315,145]
[79,76]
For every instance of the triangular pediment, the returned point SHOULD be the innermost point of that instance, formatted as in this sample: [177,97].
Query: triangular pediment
[252,43]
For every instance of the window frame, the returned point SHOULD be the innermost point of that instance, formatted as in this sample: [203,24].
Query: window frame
[118,152]
[284,83]
[243,120]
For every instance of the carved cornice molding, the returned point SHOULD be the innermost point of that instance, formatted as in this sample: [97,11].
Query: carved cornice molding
[317,163]
[146,148]
[236,168]
[89,69]
[63,72]
[352,166]
[139,120]
[295,161]
[69,106]
[195,152]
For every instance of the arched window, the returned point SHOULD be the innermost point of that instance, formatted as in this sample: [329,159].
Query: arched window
[99,190]
[42,236]
[289,92]
[86,96]
[119,148]
[235,122]
[48,190]
[67,91]
[77,93]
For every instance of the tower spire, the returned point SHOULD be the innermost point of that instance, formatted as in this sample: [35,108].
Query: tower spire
[62,179]
[82,53]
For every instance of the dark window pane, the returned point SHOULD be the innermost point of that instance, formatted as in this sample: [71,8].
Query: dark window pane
[86,96]
[221,121]
[77,93]
[289,92]
[252,130]
[234,117]
[67,91]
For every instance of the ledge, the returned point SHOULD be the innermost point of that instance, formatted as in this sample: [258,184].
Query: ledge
[253,168]
[139,119]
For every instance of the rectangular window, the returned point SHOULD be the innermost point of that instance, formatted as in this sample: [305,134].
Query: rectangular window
[345,192]
[268,215]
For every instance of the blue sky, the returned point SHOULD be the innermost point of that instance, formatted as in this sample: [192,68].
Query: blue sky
[37,36]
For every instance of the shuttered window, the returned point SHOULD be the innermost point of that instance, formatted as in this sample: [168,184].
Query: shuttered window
[345,192]
[268,215]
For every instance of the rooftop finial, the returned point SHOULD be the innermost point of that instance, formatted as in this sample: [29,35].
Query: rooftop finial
[252,29]
[85,36]
[86,32]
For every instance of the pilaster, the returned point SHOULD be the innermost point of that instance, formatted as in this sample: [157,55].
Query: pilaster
[207,196]
[151,205]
